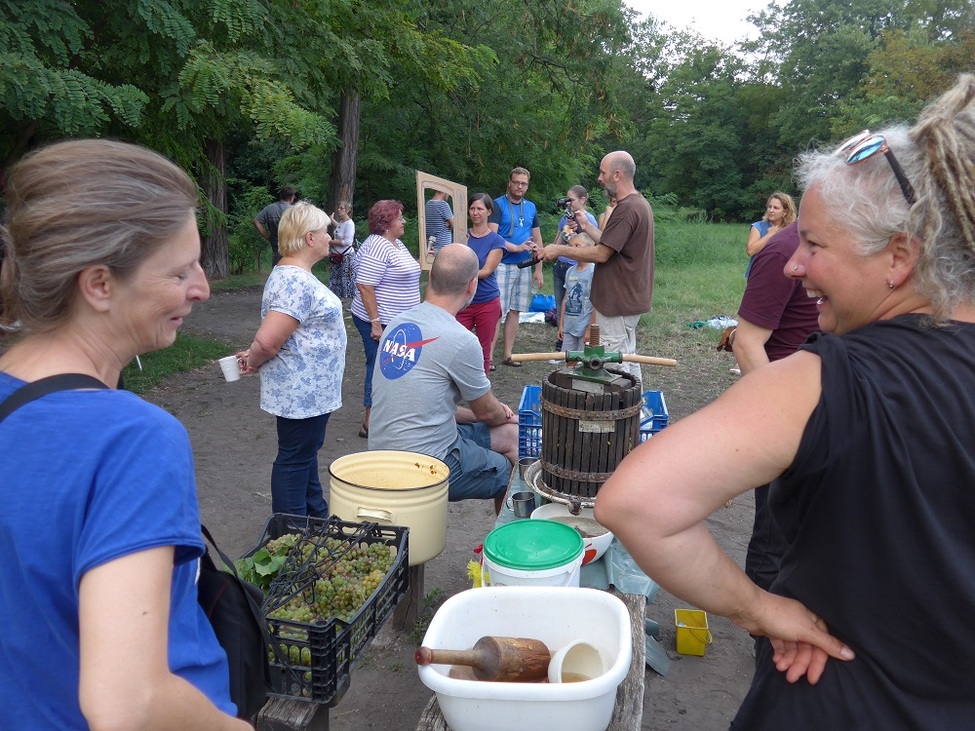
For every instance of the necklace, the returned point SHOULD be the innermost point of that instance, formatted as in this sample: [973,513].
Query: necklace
[521,211]
[480,234]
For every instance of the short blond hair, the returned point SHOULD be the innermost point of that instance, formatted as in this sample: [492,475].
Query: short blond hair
[582,236]
[298,220]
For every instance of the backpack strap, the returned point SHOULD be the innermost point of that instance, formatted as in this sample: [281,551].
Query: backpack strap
[43,386]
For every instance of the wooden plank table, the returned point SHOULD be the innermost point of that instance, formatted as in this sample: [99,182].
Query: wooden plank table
[628,711]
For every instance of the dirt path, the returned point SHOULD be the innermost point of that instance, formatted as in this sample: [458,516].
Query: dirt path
[234,444]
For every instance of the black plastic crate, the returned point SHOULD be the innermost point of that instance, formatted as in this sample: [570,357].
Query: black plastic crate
[313,661]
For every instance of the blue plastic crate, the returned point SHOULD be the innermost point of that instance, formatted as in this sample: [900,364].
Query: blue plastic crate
[530,422]
[655,415]
[653,418]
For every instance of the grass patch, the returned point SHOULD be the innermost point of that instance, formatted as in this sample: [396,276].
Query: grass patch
[699,273]
[431,603]
[187,353]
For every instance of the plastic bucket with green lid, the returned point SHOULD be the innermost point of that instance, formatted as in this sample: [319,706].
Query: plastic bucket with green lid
[532,553]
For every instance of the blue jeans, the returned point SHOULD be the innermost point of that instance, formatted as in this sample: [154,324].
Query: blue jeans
[371,347]
[295,486]
[559,268]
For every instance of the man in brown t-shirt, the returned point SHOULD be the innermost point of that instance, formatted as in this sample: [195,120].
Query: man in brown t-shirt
[622,284]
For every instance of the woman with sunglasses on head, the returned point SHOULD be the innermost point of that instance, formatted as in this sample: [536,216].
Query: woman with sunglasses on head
[780,211]
[865,435]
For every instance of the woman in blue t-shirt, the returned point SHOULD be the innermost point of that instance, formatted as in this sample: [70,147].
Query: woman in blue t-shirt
[780,211]
[482,315]
[100,522]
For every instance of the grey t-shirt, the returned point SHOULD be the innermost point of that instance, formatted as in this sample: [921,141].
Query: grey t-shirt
[427,364]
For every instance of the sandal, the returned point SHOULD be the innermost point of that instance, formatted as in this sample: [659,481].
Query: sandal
[364,432]
[492,367]
[512,363]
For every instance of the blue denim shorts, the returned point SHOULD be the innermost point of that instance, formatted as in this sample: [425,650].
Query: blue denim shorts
[475,470]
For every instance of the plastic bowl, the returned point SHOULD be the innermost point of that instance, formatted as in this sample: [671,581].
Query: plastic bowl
[595,546]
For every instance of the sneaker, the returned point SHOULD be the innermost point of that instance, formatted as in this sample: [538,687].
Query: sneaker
[556,362]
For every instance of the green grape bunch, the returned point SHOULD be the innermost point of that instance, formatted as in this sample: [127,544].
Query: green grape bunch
[342,583]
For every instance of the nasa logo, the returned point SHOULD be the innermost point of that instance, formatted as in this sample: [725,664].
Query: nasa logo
[400,350]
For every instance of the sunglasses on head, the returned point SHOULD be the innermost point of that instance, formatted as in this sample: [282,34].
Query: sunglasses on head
[865,145]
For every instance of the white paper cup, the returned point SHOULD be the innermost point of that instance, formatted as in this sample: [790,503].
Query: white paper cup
[230,367]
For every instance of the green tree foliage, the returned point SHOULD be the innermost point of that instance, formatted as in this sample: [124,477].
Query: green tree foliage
[541,95]
[48,83]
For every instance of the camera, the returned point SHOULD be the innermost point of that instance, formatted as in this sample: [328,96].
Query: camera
[570,217]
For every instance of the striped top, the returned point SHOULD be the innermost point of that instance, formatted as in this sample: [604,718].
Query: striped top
[392,271]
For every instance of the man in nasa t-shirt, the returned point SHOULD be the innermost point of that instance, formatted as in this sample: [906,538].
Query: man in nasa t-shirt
[429,363]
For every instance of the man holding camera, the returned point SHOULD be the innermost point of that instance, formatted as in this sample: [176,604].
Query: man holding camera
[622,285]
[515,218]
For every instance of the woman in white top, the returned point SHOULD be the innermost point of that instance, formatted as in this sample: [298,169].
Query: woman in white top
[342,254]
[387,283]
[299,351]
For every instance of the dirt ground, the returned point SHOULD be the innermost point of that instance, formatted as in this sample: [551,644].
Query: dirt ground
[234,445]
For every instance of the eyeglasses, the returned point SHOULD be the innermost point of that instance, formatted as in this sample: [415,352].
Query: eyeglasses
[865,145]
[520,183]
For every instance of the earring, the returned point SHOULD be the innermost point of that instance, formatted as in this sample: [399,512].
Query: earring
[890,284]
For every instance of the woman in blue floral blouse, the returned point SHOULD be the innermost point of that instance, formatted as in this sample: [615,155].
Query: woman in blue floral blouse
[299,350]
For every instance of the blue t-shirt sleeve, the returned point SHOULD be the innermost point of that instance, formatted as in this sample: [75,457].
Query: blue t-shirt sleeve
[143,493]
[496,212]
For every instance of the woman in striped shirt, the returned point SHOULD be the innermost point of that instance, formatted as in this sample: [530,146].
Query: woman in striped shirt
[387,283]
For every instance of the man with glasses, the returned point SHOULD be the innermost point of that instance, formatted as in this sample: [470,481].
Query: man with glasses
[515,218]
[622,284]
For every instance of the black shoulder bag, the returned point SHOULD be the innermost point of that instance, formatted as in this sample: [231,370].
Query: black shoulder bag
[232,605]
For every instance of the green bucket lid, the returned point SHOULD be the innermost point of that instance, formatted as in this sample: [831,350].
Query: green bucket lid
[533,545]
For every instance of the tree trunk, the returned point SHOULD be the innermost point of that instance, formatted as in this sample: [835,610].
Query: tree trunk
[346,157]
[215,257]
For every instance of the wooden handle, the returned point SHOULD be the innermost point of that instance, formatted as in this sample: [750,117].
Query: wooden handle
[627,358]
[501,659]
[537,356]
[649,360]
[429,656]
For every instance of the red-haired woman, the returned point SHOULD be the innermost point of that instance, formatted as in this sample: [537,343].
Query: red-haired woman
[387,283]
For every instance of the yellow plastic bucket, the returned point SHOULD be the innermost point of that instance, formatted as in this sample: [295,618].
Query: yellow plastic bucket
[394,488]
[693,635]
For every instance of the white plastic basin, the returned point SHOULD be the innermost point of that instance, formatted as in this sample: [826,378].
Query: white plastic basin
[595,546]
[554,615]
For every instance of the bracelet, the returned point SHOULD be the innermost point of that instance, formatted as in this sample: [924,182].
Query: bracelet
[375,319]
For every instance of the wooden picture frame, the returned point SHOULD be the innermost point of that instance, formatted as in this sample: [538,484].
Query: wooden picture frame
[458,204]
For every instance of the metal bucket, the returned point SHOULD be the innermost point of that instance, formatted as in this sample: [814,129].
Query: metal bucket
[394,488]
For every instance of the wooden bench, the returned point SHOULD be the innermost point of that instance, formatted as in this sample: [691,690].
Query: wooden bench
[628,711]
